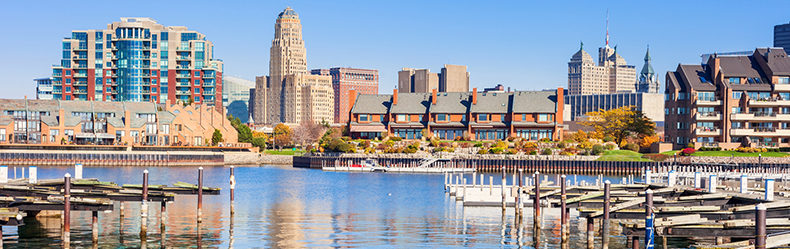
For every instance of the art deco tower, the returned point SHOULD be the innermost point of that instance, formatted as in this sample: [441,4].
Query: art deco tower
[287,56]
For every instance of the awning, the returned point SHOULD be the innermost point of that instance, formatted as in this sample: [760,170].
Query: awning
[368,128]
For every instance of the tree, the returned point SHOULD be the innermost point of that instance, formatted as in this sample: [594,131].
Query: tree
[282,135]
[620,123]
[307,133]
[216,138]
[259,142]
[245,133]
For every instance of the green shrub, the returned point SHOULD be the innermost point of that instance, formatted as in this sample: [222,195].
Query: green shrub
[497,150]
[631,147]
[608,138]
[482,151]
[609,146]
[546,151]
[395,139]
[544,140]
[597,149]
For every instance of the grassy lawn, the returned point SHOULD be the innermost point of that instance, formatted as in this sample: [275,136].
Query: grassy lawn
[622,155]
[731,153]
[286,152]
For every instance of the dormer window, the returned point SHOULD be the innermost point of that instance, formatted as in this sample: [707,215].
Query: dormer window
[364,118]
[401,118]
[482,117]
[783,80]
[734,80]
[441,117]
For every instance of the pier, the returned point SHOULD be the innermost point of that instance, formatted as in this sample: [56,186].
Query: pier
[26,196]
[711,208]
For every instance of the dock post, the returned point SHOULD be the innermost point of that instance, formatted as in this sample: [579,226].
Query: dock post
[712,184]
[32,175]
[162,219]
[671,178]
[67,210]
[769,189]
[536,202]
[504,182]
[697,180]
[232,188]
[490,185]
[759,227]
[519,202]
[144,209]
[563,214]
[474,179]
[78,171]
[590,233]
[445,181]
[200,195]
[744,183]
[463,193]
[95,226]
[649,225]
[482,179]
[605,222]
[635,242]
[648,177]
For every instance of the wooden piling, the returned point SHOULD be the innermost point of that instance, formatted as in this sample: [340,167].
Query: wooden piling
[519,205]
[144,209]
[536,202]
[634,242]
[759,227]
[504,181]
[605,222]
[200,196]
[649,229]
[95,226]
[563,214]
[67,210]
[590,233]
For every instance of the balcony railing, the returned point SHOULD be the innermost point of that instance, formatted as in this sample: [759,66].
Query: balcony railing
[764,114]
[183,75]
[765,129]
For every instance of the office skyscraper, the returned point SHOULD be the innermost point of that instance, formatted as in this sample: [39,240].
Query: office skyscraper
[782,36]
[287,56]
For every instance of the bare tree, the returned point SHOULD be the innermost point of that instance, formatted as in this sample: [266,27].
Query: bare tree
[307,133]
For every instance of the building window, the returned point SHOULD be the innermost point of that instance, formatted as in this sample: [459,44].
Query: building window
[482,117]
[408,133]
[706,96]
[401,118]
[502,117]
[2,133]
[491,134]
[523,117]
[363,118]
[543,117]
[197,90]
[441,117]
[734,80]
[783,80]
[737,95]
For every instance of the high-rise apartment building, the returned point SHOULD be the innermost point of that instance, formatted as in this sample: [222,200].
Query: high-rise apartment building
[138,60]
[611,75]
[730,101]
[363,81]
[782,36]
[648,79]
[43,88]
[453,78]
[236,96]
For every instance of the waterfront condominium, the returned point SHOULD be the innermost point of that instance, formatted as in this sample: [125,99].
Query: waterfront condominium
[292,94]
[139,60]
[24,121]
[453,78]
[43,88]
[533,115]
[363,81]
[730,101]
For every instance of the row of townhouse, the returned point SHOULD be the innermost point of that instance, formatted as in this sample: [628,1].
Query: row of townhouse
[730,101]
[24,121]
[532,115]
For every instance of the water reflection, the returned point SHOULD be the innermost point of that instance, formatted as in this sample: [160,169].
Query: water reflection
[292,208]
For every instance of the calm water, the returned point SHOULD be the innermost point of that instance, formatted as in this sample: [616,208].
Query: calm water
[283,207]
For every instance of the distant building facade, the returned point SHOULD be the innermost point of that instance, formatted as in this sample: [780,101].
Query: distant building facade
[481,116]
[782,36]
[236,96]
[651,104]
[648,79]
[730,101]
[497,88]
[611,75]
[138,60]
[308,98]
[362,81]
[100,122]
[43,88]
[453,78]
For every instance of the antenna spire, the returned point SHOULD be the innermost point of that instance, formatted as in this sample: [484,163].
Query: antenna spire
[607,27]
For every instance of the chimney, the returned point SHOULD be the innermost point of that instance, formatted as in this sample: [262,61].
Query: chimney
[352,98]
[474,96]
[715,69]
[433,96]
[560,113]
[394,96]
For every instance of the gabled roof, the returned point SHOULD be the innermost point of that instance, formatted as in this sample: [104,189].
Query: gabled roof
[534,102]
[491,103]
[740,66]
[412,103]
[694,75]
[777,60]
[372,104]
[454,102]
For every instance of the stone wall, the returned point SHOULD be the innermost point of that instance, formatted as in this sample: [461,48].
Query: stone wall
[232,158]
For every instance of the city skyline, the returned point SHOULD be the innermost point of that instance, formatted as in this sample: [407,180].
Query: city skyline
[525,52]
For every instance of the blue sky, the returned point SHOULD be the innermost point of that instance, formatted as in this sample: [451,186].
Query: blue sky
[522,44]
